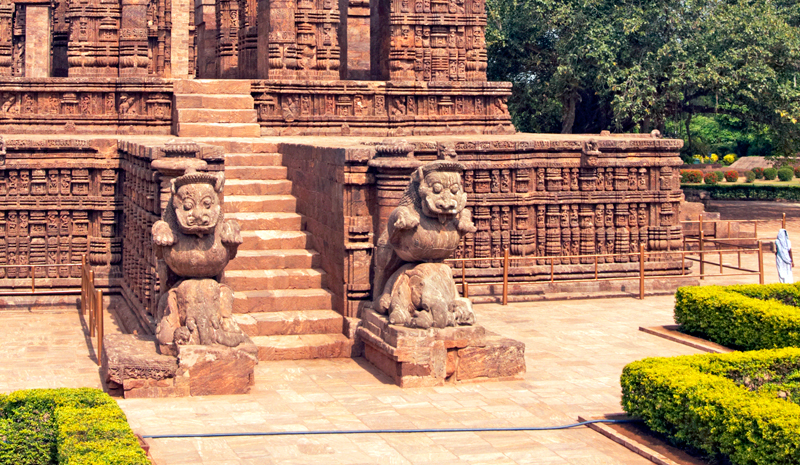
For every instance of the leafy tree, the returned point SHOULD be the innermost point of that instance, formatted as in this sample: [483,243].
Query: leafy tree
[587,65]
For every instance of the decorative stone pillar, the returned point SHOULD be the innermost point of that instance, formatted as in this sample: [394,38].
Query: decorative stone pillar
[6,45]
[622,234]
[133,59]
[553,245]
[248,39]
[428,41]
[94,42]
[227,39]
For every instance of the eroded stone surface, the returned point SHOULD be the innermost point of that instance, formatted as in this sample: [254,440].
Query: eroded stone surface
[215,370]
[415,357]
[195,243]
[411,283]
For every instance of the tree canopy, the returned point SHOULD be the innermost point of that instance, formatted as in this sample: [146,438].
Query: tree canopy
[635,65]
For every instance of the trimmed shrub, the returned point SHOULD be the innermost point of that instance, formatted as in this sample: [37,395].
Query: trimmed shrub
[729,159]
[785,174]
[732,176]
[66,426]
[770,174]
[710,178]
[695,401]
[746,317]
[759,173]
[691,176]
[797,172]
[749,176]
[720,175]
[747,192]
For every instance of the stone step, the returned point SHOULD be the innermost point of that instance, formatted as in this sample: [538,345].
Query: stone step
[258,187]
[274,240]
[278,300]
[279,221]
[274,260]
[290,323]
[253,159]
[303,347]
[218,129]
[214,102]
[259,203]
[289,278]
[211,86]
[202,115]
[255,173]
[249,146]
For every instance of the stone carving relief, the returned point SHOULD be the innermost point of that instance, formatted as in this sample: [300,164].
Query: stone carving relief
[195,243]
[412,284]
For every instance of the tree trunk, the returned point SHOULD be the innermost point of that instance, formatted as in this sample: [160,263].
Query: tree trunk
[568,114]
[688,133]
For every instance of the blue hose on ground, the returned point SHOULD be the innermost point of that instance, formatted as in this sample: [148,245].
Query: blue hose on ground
[383,431]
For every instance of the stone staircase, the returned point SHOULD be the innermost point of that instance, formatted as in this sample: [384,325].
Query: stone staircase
[279,288]
[214,108]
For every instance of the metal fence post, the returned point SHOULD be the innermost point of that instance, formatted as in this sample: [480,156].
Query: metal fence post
[702,255]
[505,276]
[99,323]
[83,284]
[641,273]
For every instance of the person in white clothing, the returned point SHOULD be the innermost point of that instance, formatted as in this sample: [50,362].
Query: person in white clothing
[783,257]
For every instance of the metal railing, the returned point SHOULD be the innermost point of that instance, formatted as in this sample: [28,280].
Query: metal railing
[728,241]
[641,256]
[48,291]
[91,298]
[92,302]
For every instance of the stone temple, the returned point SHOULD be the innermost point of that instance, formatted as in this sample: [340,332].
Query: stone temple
[317,112]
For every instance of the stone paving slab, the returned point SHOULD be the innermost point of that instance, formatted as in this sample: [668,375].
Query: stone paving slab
[576,351]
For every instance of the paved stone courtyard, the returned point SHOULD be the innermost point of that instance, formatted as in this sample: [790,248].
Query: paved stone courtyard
[575,353]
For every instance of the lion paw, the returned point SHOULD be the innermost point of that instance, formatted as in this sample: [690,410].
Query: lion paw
[162,234]
[231,233]
[406,220]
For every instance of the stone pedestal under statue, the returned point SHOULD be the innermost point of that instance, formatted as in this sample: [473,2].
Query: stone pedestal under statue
[418,329]
[132,364]
[415,357]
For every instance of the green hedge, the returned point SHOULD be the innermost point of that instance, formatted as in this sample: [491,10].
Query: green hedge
[746,191]
[65,426]
[694,401]
[747,317]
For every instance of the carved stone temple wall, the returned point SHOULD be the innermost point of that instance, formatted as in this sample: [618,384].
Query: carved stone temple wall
[95,91]
[537,195]
[59,201]
[316,67]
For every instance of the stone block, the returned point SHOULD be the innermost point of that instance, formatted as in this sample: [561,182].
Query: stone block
[129,359]
[500,358]
[213,370]
[418,358]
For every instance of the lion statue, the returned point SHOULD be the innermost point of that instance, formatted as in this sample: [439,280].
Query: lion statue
[194,243]
[412,284]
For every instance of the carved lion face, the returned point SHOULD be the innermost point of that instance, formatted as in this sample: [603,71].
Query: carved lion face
[441,194]
[196,208]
